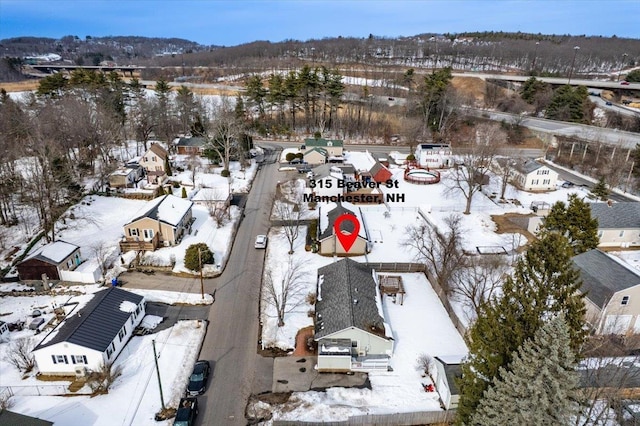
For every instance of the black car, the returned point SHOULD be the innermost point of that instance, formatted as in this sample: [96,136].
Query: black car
[567,184]
[187,412]
[198,379]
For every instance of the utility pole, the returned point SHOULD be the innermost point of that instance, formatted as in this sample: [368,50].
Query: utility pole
[155,358]
[535,56]
[201,279]
[575,52]
[624,56]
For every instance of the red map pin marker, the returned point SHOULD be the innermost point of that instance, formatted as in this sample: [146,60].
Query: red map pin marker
[346,237]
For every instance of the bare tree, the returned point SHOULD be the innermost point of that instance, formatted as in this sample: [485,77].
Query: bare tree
[225,132]
[477,281]
[472,172]
[440,250]
[289,209]
[287,294]
[217,206]
[103,253]
[503,168]
[101,380]
[20,355]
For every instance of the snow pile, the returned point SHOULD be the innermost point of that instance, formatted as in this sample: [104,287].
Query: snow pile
[127,306]
[151,321]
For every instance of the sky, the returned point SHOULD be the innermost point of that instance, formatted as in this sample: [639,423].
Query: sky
[229,23]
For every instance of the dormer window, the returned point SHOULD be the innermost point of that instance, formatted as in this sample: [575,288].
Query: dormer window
[625,300]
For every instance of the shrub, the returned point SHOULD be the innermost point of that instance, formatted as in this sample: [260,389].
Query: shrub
[184,192]
[300,155]
[225,173]
[290,156]
[192,258]
[411,157]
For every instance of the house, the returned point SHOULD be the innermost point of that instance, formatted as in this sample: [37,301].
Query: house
[328,181]
[4,331]
[92,337]
[334,147]
[126,177]
[612,291]
[191,146]
[11,418]
[315,155]
[328,244]
[155,162]
[219,196]
[349,323]
[161,222]
[50,260]
[528,175]
[434,156]
[618,223]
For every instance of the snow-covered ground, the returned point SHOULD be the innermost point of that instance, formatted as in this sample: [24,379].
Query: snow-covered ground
[134,397]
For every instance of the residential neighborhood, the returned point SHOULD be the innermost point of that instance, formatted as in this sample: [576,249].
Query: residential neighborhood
[435,229]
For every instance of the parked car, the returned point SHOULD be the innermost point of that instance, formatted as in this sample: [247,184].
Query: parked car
[187,412]
[304,169]
[296,161]
[261,242]
[624,83]
[198,378]
[567,184]
[608,103]
[36,323]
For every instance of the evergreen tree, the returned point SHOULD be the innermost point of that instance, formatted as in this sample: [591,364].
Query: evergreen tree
[196,255]
[256,93]
[569,104]
[575,223]
[542,284]
[167,167]
[600,190]
[530,88]
[184,192]
[433,94]
[539,386]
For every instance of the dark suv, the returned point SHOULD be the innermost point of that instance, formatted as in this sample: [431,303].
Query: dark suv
[198,379]
[187,412]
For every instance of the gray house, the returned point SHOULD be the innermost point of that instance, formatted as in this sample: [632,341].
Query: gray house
[349,326]
[618,223]
[612,293]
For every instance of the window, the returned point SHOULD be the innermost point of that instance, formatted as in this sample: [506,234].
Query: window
[546,181]
[621,234]
[122,332]
[154,158]
[148,234]
[133,232]
[600,234]
[625,300]
[109,352]
[534,182]
[59,359]
[79,359]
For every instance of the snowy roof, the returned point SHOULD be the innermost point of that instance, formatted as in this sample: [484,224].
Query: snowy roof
[220,193]
[360,160]
[168,209]
[527,166]
[348,298]
[97,323]
[602,276]
[328,170]
[123,171]
[617,215]
[331,212]
[54,253]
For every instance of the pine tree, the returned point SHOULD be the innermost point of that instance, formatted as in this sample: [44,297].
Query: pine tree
[600,190]
[574,221]
[539,387]
[542,283]
[167,167]
[184,192]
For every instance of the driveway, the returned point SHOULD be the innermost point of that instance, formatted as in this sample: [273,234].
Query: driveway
[173,314]
[160,281]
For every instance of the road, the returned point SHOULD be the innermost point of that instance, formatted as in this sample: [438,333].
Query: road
[231,342]
[552,80]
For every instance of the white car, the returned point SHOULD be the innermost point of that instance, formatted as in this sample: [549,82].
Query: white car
[261,242]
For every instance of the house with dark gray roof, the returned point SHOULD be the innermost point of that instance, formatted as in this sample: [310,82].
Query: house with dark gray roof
[10,418]
[328,243]
[93,336]
[350,328]
[526,174]
[612,289]
[191,146]
[618,223]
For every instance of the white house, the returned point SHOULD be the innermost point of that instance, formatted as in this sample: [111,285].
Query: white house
[4,331]
[528,175]
[612,291]
[618,223]
[328,243]
[350,328]
[434,156]
[92,336]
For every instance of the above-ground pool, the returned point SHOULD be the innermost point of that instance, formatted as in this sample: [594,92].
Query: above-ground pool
[422,176]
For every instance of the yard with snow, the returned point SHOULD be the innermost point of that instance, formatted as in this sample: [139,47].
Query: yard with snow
[135,392]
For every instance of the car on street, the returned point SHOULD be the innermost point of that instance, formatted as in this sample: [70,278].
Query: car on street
[261,242]
[624,83]
[198,379]
[608,103]
[567,184]
[187,412]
